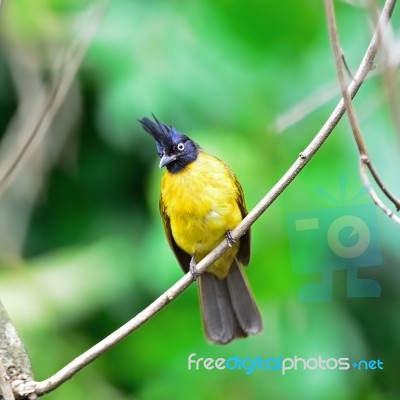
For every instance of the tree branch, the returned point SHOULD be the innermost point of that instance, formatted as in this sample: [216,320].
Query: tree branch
[15,366]
[84,359]
[365,161]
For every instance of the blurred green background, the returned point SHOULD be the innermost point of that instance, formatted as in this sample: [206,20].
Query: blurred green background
[82,249]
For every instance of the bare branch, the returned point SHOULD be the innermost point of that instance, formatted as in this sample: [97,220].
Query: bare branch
[364,164]
[84,359]
[15,366]
[343,87]
[382,186]
[362,148]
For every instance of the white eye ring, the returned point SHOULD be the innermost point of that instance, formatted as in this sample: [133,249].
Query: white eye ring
[180,146]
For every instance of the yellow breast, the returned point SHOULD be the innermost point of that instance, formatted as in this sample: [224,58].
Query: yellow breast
[201,202]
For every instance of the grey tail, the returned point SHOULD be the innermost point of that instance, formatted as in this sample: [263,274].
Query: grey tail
[228,307]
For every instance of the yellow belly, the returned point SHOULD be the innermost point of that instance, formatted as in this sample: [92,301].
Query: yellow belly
[201,202]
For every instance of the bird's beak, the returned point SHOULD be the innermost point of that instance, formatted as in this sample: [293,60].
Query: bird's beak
[165,159]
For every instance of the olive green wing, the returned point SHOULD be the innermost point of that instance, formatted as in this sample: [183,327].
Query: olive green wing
[243,254]
[182,257]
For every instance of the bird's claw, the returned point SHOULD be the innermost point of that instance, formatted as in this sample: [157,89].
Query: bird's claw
[192,268]
[230,239]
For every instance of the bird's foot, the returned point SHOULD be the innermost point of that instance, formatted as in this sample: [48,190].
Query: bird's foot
[230,239]
[192,268]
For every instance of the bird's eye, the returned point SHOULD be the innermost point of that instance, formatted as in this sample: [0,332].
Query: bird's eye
[180,146]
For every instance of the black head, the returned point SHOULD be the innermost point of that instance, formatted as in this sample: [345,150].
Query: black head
[175,149]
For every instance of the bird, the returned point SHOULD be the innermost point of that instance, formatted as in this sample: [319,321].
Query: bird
[201,202]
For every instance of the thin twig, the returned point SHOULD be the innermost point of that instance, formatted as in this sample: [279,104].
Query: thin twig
[362,148]
[380,183]
[71,63]
[84,359]
[343,87]
[348,70]
[367,183]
